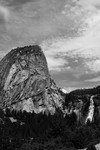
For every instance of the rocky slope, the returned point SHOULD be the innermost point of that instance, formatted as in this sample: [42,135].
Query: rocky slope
[25,82]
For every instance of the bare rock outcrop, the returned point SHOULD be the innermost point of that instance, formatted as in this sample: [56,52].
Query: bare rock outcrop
[25,82]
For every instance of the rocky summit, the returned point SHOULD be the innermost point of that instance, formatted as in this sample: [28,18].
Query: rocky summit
[25,82]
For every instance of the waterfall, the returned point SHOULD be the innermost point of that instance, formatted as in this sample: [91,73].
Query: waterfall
[91,111]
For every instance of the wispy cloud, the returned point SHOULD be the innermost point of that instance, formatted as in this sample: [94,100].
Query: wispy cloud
[97,79]
[56,64]
[89,4]
[4,12]
[85,46]
[33,21]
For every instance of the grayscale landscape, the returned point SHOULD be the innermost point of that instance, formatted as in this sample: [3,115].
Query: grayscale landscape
[49,74]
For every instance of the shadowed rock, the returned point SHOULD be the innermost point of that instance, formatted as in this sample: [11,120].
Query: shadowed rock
[25,83]
[91,147]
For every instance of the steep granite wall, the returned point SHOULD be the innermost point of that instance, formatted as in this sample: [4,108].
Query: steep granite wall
[25,82]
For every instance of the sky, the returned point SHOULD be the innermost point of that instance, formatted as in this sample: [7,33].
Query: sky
[68,32]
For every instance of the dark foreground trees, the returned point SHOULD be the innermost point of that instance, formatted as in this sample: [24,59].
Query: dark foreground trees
[91,147]
[42,132]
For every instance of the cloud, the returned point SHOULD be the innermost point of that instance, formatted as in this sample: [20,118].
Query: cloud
[85,46]
[94,65]
[97,79]
[89,4]
[4,12]
[56,64]
[18,2]
[37,20]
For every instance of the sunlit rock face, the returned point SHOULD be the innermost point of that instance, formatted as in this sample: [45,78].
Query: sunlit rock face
[25,83]
[64,91]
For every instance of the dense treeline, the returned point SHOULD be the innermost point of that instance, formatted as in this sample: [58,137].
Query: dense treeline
[83,94]
[42,132]
[90,91]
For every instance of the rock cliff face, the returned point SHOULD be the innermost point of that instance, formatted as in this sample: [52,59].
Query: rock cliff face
[25,82]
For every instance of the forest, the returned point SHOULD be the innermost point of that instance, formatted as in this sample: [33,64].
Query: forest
[30,131]
[33,131]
